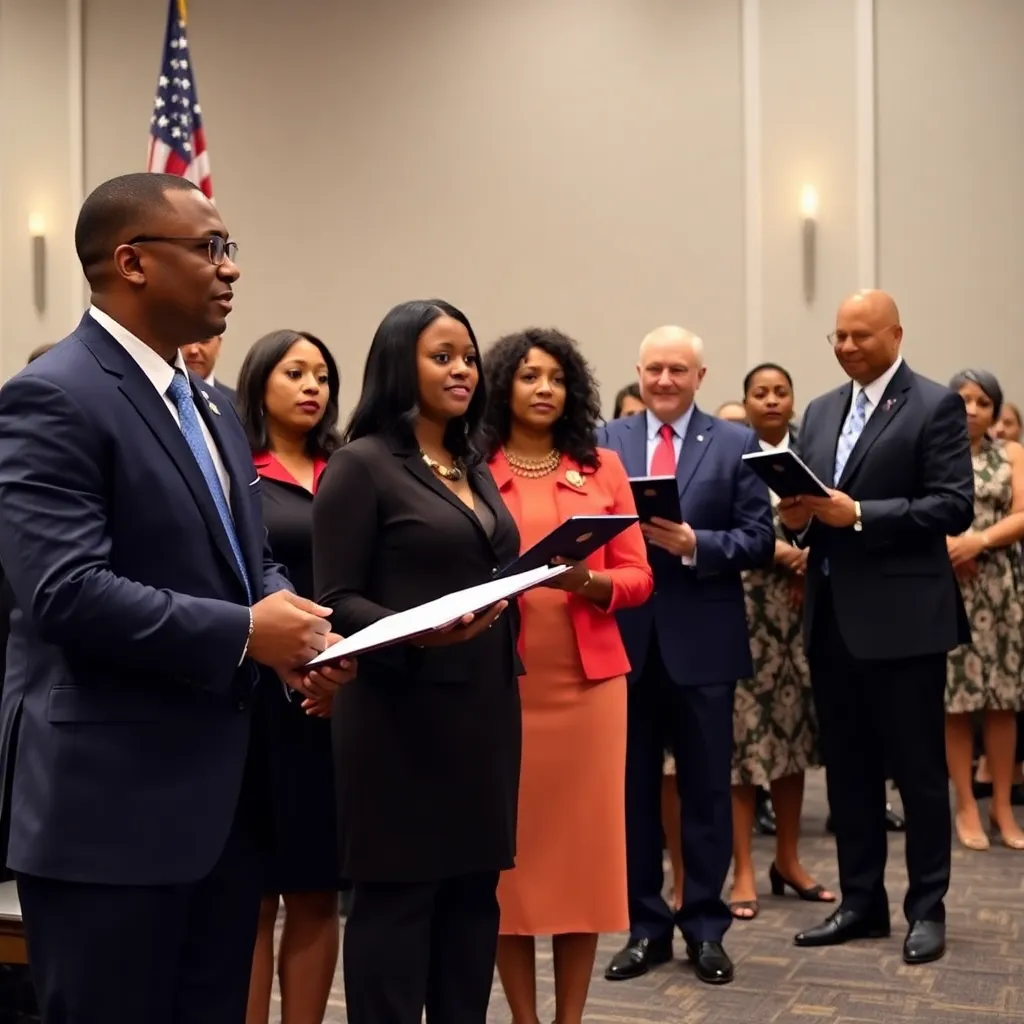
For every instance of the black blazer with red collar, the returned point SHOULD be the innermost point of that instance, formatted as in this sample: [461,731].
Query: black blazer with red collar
[893,588]
[426,741]
[124,725]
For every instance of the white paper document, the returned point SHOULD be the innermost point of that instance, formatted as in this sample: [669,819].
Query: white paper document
[444,611]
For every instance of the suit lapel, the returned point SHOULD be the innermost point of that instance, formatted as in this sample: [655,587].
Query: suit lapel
[697,441]
[634,445]
[820,450]
[241,472]
[420,470]
[892,401]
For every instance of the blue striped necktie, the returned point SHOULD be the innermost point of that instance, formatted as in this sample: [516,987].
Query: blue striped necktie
[181,394]
[852,429]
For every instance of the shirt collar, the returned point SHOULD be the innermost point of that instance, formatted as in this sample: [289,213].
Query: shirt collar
[160,373]
[678,426]
[876,388]
[782,446]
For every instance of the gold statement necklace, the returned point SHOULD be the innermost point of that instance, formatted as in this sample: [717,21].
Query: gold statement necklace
[533,468]
[453,474]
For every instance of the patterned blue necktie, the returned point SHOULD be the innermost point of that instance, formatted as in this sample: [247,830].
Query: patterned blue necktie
[181,394]
[851,431]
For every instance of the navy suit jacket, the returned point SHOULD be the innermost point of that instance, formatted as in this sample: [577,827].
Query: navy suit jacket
[699,612]
[125,719]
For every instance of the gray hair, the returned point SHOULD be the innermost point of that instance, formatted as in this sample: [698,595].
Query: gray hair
[988,383]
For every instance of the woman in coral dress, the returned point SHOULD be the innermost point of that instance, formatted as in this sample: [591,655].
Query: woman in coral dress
[570,875]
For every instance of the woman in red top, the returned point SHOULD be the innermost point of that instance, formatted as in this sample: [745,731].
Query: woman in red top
[570,875]
[288,402]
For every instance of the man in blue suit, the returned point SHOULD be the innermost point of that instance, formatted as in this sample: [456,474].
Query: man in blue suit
[144,593]
[687,646]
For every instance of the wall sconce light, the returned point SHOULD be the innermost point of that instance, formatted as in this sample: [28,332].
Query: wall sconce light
[37,231]
[809,213]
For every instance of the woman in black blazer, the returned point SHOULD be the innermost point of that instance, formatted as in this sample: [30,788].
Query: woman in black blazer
[427,738]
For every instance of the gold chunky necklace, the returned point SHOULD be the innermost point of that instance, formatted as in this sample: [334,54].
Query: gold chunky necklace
[533,467]
[455,474]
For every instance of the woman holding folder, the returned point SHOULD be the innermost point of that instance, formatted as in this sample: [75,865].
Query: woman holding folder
[427,738]
[570,876]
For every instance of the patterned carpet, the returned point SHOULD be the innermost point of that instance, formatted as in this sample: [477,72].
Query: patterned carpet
[980,979]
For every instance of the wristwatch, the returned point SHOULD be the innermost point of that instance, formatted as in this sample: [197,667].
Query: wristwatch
[858,523]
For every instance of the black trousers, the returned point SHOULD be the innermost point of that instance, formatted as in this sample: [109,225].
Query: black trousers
[175,954]
[695,723]
[874,716]
[410,945]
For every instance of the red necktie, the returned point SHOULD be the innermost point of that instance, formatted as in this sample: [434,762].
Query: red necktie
[664,461]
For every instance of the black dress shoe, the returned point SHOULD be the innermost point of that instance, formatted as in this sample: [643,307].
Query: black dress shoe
[764,814]
[711,962]
[925,942]
[843,926]
[637,957]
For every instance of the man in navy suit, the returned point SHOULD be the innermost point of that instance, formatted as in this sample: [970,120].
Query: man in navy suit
[687,646]
[881,612]
[144,593]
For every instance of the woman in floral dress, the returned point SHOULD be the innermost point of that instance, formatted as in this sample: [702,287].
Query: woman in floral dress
[775,728]
[985,675]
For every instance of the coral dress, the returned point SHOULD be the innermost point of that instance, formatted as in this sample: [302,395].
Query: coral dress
[570,873]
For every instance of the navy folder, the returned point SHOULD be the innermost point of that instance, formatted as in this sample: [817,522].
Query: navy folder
[785,473]
[656,496]
[576,538]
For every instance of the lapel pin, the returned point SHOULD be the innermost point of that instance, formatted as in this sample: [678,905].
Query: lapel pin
[700,437]
[213,408]
[575,478]
[888,404]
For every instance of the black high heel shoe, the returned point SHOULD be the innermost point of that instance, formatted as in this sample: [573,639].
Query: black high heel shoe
[812,894]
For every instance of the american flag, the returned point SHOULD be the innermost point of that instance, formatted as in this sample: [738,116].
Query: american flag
[177,142]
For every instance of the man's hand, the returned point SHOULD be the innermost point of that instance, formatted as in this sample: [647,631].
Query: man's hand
[965,548]
[792,558]
[321,683]
[287,631]
[794,514]
[465,629]
[837,509]
[676,538]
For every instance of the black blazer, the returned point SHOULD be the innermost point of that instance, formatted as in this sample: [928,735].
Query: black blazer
[893,588]
[427,742]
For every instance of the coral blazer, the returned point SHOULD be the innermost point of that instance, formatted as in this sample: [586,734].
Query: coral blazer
[624,559]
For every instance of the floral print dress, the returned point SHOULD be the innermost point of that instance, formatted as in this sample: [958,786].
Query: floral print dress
[986,674]
[775,729]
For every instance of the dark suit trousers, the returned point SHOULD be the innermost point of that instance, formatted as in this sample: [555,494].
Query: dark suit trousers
[695,722]
[163,954]
[874,715]
[410,945]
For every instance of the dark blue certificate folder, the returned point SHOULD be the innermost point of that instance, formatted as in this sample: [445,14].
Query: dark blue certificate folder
[656,496]
[785,473]
[576,538]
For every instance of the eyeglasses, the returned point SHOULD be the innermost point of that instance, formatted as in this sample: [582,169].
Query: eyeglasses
[218,248]
[857,337]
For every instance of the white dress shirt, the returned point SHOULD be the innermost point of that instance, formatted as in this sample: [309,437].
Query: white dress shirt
[160,374]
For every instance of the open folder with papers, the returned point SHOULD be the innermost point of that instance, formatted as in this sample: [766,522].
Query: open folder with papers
[436,614]
[785,473]
[576,538]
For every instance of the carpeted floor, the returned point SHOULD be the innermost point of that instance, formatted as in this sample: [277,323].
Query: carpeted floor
[980,979]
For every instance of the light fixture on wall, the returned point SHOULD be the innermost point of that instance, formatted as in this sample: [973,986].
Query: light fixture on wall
[37,232]
[809,213]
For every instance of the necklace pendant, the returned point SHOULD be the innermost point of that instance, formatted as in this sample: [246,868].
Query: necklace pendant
[574,477]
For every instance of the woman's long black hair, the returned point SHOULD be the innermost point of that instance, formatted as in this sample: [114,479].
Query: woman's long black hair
[389,402]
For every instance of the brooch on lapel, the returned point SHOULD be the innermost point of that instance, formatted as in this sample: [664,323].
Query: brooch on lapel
[888,404]
[574,477]
[213,408]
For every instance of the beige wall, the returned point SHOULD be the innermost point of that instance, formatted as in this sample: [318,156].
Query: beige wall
[39,130]
[601,165]
[951,180]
